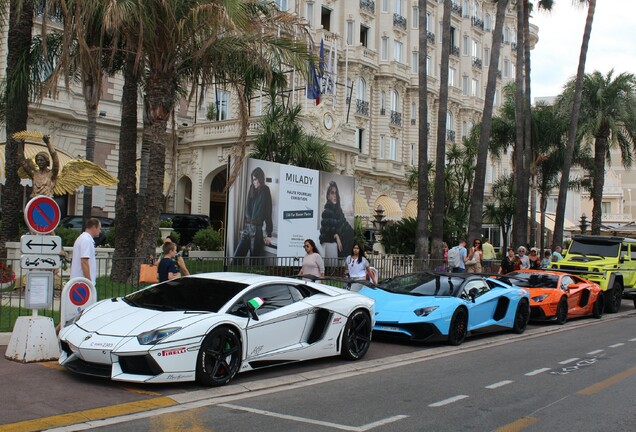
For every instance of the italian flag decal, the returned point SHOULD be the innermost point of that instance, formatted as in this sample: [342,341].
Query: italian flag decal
[256,302]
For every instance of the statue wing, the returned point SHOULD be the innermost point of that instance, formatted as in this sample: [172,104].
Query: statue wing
[80,172]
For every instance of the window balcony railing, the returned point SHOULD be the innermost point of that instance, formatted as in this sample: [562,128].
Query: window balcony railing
[476,22]
[477,62]
[399,21]
[396,118]
[362,107]
[382,111]
[430,36]
[513,46]
[457,9]
[367,6]
[413,122]
[450,135]
[499,74]
[454,51]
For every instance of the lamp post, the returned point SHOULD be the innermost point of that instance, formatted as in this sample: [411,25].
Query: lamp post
[378,224]
[629,204]
[583,223]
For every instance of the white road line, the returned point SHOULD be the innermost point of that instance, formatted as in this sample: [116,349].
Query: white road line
[448,401]
[569,360]
[499,384]
[362,428]
[633,340]
[616,345]
[537,371]
[595,352]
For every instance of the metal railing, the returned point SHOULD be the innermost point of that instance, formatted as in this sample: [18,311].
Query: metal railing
[12,300]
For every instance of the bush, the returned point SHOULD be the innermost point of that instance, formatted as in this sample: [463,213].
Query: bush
[68,235]
[208,239]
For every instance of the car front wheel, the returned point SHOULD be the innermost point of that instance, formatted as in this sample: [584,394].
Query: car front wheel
[357,336]
[562,311]
[458,327]
[522,316]
[219,358]
[599,306]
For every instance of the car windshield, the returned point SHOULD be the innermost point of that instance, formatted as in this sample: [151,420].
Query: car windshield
[532,280]
[423,284]
[598,248]
[191,293]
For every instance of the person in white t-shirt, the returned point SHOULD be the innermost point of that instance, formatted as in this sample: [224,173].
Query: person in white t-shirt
[357,267]
[83,262]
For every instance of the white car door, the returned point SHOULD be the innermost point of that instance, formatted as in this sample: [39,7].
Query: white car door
[281,320]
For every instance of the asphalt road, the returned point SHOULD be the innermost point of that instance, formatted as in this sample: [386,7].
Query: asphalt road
[579,376]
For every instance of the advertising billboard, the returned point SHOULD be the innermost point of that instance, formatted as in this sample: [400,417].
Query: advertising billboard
[273,208]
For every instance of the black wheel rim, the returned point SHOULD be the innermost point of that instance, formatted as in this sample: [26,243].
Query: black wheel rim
[460,327]
[359,336]
[522,316]
[221,357]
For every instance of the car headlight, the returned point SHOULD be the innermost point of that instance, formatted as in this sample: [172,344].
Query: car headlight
[540,298]
[425,311]
[154,336]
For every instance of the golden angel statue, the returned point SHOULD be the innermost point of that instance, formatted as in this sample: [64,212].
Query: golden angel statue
[50,181]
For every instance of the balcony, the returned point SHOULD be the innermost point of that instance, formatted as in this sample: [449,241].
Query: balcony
[430,36]
[450,135]
[476,22]
[454,51]
[399,21]
[477,62]
[367,6]
[513,46]
[396,118]
[362,107]
[456,9]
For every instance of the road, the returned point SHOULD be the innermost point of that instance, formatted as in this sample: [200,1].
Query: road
[581,376]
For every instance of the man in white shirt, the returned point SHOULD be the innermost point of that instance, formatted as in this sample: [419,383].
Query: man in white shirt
[83,263]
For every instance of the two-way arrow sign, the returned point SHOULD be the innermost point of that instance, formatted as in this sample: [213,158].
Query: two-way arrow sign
[41,244]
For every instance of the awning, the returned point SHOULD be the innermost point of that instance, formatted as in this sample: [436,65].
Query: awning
[361,207]
[410,211]
[392,210]
[550,219]
[30,150]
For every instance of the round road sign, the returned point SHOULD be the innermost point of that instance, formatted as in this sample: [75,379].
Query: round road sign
[79,293]
[42,214]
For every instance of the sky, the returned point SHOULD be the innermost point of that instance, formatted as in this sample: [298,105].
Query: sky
[555,58]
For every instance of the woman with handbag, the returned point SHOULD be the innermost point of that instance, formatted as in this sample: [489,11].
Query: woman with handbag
[474,261]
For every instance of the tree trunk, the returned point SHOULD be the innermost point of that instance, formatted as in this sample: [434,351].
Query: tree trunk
[574,121]
[520,225]
[17,99]
[600,152]
[528,127]
[158,104]
[439,192]
[479,186]
[92,91]
[126,200]
[421,241]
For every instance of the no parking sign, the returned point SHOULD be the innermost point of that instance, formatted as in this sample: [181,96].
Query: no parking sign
[77,295]
[42,214]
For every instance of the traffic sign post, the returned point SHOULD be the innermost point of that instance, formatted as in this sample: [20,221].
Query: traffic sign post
[41,244]
[78,294]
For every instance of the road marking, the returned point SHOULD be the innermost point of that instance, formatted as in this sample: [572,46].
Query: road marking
[633,340]
[537,371]
[362,428]
[140,391]
[518,425]
[499,384]
[87,415]
[52,365]
[448,401]
[569,360]
[616,345]
[608,382]
[598,351]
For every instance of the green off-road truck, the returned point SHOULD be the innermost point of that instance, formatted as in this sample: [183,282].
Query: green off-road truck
[608,261]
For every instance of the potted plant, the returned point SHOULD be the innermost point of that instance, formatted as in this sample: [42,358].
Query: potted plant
[7,275]
[165,228]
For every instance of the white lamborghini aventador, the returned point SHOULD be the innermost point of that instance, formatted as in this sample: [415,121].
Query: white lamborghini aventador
[208,327]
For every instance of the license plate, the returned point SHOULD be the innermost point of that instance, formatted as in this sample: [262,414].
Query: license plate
[389,328]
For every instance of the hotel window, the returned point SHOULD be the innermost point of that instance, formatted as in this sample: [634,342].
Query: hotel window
[428,65]
[397,52]
[384,49]
[385,5]
[381,147]
[475,88]
[487,57]
[310,14]
[222,99]
[325,18]
[465,85]
[395,101]
[606,208]
[282,5]
[506,68]
[364,36]
[360,139]
[361,89]
[429,22]
[415,59]
[412,160]
[487,22]
[349,32]
[413,113]
[415,19]
[398,7]
[465,45]
[393,148]
[452,77]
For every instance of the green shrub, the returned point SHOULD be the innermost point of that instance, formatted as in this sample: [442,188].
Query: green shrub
[110,238]
[68,235]
[208,239]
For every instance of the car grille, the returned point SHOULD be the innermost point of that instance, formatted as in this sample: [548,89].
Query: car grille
[536,313]
[416,332]
[80,366]
[139,365]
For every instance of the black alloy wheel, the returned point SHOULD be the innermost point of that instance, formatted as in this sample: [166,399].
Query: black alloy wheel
[613,298]
[357,335]
[522,316]
[562,311]
[458,327]
[219,357]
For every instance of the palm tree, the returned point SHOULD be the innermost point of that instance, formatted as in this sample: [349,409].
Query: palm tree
[198,41]
[607,115]
[17,98]
[477,200]
[421,230]
[437,226]
[572,129]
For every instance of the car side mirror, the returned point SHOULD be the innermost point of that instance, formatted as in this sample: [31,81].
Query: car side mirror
[254,304]
[473,294]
